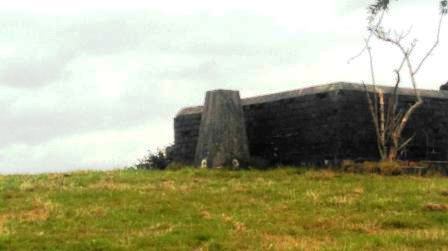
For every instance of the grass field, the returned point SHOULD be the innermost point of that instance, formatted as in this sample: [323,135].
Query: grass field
[189,209]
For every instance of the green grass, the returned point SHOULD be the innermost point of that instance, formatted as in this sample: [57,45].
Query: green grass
[190,209]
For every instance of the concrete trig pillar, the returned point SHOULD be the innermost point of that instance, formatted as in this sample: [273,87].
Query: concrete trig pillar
[222,134]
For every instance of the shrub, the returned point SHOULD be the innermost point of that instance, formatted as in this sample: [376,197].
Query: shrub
[381,167]
[391,167]
[158,160]
[175,165]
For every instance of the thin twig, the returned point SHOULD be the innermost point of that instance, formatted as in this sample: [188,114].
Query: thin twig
[436,43]
[405,143]
[372,75]
[380,20]
[380,146]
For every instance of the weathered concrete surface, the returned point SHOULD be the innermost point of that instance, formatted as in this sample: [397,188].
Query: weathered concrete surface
[324,123]
[222,133]
[444,87]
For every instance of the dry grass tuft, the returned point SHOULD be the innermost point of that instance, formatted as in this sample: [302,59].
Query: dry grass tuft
[429,234]
[92,211]
[322,175]
[342,200]
[313,196]
[367,227]
[237,226]
[358,190]
[238,187]
[34,215]
[288,242]
[40,212]
[436,207]
[169,185]
[110,185]
[382,167]
[206,215]
[3,220]
[158,229]
[322,223]
[27,186]
[390,167]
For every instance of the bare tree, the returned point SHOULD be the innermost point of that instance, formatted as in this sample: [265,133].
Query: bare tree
[389,122]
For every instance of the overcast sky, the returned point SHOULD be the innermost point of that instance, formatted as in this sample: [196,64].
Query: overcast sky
[95,84]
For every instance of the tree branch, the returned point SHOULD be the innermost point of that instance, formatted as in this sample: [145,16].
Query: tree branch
[374,114]
[380,20]
[436,43]
[405,143]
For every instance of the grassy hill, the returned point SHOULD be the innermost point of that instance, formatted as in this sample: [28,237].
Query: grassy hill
[189,209]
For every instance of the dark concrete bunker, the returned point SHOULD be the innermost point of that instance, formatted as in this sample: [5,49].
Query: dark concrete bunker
[324,124]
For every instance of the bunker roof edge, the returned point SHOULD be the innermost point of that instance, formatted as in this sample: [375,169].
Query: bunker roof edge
[322,89]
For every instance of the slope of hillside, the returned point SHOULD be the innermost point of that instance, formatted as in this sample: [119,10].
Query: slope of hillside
[222,210]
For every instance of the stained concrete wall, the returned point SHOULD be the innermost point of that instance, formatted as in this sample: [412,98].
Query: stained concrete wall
[324,124]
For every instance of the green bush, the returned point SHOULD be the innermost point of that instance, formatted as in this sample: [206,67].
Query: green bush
[155,161]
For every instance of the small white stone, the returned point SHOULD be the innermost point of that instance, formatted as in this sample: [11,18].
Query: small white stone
[204,164]
[235,163]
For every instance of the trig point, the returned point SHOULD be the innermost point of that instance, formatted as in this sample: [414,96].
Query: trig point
[222,132]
